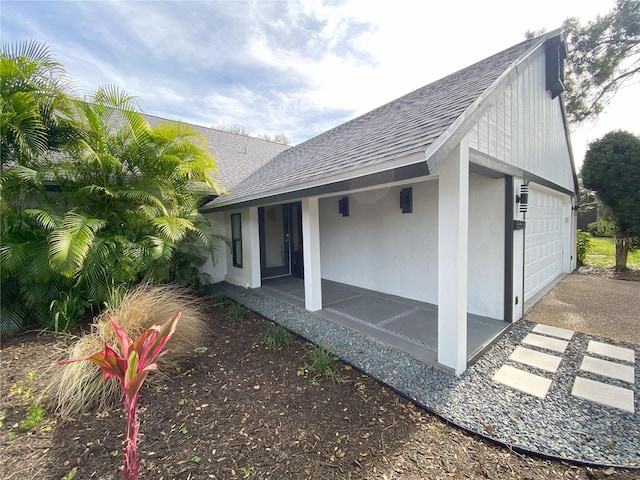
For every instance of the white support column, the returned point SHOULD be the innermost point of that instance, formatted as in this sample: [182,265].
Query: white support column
[453,228]
[253,238]
[311,253]
[518,256]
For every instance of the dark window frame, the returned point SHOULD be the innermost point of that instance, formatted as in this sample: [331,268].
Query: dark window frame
[236,240]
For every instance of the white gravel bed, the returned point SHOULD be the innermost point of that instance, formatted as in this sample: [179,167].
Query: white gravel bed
[560,426]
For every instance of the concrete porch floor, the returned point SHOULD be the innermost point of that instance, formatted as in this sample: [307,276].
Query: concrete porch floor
[405,324]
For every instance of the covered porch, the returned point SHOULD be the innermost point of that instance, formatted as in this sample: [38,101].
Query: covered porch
[407,325]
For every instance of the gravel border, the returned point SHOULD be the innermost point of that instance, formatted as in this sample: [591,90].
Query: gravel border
[560,426]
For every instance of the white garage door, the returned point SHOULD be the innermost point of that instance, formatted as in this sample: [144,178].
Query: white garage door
[543,253]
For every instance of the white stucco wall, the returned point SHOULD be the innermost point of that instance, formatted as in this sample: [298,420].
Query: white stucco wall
[249,274]
[216,267]
[380,248]
[485,276]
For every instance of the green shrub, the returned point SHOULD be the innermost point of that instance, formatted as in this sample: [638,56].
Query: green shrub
[582,247]
[277,337]
[320,362]
[237,311]
[602,228]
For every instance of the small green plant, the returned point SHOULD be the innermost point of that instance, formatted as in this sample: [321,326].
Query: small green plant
[22,389]
[320,363]
[182,402]
[184,430]
[9,436]
[221,300]
[130,367]
[113,453]
[71,474]
[196,459]
[277,337]
[67,310]
[246,471]
[237,312]
[582,246]
[35,415]
[115,295]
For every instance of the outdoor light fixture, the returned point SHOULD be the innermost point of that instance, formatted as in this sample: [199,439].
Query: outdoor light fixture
[406,200]
[343,206]
[523,198]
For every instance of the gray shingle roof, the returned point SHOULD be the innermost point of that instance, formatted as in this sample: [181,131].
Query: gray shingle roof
[403,127]
[236,156]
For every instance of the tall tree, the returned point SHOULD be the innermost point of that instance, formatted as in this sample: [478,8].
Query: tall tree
[603,56]
[612,168]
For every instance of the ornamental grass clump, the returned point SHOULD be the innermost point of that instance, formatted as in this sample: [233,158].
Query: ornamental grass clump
[130,367]
[79,387]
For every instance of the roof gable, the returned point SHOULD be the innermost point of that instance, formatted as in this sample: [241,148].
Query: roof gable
[404,127]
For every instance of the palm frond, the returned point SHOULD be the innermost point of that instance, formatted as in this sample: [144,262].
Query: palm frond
[12,257]
[173,229]
[71,241]
[44,218]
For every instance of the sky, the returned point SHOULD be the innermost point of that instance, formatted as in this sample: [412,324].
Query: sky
[297,67]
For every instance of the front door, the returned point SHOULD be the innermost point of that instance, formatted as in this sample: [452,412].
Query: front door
[280,240]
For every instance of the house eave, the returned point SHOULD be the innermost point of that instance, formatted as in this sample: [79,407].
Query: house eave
[406,167]
[390,176]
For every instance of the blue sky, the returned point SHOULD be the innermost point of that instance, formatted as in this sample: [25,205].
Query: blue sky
[298,67]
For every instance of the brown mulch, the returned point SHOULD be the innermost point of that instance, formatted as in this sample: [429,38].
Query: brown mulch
[238,410]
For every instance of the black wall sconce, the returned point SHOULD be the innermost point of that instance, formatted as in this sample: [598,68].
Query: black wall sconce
[523,198]
[406,200]
[343,206]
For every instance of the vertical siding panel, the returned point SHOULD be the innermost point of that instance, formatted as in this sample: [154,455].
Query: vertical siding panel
[524,128]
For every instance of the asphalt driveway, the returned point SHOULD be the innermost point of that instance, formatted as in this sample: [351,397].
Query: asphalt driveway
[593,305]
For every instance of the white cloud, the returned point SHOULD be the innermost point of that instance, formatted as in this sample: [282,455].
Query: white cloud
[299,67]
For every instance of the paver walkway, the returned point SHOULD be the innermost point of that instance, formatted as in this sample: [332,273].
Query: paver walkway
[609,362]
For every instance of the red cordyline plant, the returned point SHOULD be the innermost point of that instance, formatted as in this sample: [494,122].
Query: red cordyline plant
[131,366]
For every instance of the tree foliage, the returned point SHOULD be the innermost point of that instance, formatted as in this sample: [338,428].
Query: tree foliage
[93,198]
[612,168]
[279,137]
[603,56]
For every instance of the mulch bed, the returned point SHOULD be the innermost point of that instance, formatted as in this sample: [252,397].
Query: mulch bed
[238,410]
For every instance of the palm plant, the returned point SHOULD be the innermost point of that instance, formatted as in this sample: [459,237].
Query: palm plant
[130,197]
[124,206]
[34,122]
[34,90]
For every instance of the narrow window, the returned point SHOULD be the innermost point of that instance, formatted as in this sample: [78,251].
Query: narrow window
[236,240]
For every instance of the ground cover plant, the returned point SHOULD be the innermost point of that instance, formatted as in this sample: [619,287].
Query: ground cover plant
[234,409]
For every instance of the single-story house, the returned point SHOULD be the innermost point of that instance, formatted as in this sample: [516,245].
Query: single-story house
[461,195]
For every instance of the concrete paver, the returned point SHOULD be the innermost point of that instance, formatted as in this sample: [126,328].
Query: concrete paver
[603,394]
[533,358]
[523,381]
[551,331]
[612,351]
[608,369]
[546,342]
